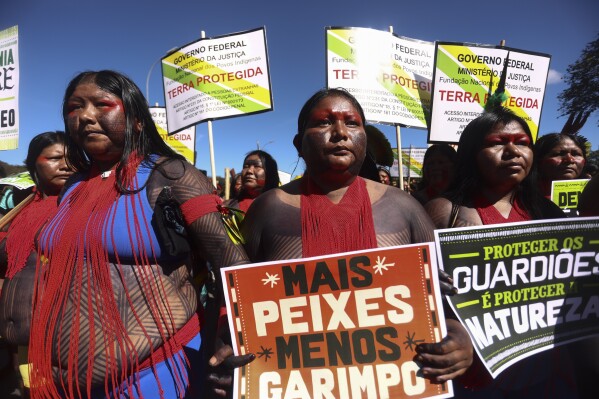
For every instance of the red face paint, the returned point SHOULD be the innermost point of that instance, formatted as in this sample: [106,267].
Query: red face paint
[507,138]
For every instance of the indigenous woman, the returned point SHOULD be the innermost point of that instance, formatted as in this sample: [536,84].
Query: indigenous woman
[331,209]
[114,310]
[559,157]
[48,169]
[438,172]
[495,183]
[260,173]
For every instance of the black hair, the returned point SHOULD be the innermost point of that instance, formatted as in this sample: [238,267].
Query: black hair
[304,115]
[384,169]
[547,142]
[271,170]
[468,179]
[37,146]
[444,149]
[135,106]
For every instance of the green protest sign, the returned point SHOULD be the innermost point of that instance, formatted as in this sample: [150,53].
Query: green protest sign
[564,193]
[523,287]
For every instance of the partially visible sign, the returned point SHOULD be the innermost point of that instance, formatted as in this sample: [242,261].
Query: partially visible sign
[523,287]
[183,142]
[412,160]
[216,78]
[284,177]
[389,75]
[462,77]
[564,193]
[21,180]
[336,326]
[9,88]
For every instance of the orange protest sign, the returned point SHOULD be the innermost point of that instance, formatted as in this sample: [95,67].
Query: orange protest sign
[339,326]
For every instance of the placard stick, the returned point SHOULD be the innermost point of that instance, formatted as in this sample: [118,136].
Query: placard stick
[211,144]
[15,211]
[398,136]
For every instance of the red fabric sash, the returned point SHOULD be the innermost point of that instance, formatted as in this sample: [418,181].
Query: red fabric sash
[245,203]
[329,228]
[195,208]
[77,271]
[490,215]
[20,241]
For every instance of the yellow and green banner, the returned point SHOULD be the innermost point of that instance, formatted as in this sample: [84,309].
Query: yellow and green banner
[9,88]
[463,74]
[411,162]
[564,193]
[183,142]
[215,78]
[389,75]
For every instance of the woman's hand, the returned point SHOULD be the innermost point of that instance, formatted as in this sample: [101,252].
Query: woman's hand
[446,283]
[449,358]
[222,364]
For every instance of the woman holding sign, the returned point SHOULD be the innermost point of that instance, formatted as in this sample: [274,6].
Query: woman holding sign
[115,313]
[495,183]
[332,210]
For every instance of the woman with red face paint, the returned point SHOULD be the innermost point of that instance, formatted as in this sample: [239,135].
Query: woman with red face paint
[495,183]
[48,169]
[260,173]
[559,157]
[331,209]
[115,313]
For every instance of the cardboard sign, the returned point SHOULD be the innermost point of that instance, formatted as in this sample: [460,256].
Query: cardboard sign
[9,88]
[215,78]
[336,326]
[564,193]
[523,287]
[463,75]
[389,75]
[183,142]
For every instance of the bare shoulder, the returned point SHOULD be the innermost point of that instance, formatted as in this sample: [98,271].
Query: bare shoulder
[440,211]
[185,180]
[385,195]
[398,218]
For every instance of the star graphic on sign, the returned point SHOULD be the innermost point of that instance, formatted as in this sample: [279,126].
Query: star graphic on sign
[381,265]
[411,341]
[272,279]
[266,352]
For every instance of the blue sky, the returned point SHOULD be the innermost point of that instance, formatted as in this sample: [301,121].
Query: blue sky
[60,38]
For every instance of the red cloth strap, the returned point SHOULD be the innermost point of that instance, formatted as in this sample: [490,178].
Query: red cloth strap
[196,207]
[2,235]
[329,228]
[174,344]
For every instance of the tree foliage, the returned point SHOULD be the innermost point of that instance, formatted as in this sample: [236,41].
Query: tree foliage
[582,77]
[8,169]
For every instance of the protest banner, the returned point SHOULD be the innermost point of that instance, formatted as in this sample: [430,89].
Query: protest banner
[183,142]
[523,287]
[388,74]
[216,78]
[461,82]
[9,88]
[338,326]
[412,160]
[564,193]
[20,180]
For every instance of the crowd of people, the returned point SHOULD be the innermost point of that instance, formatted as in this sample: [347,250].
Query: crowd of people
[104,265]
